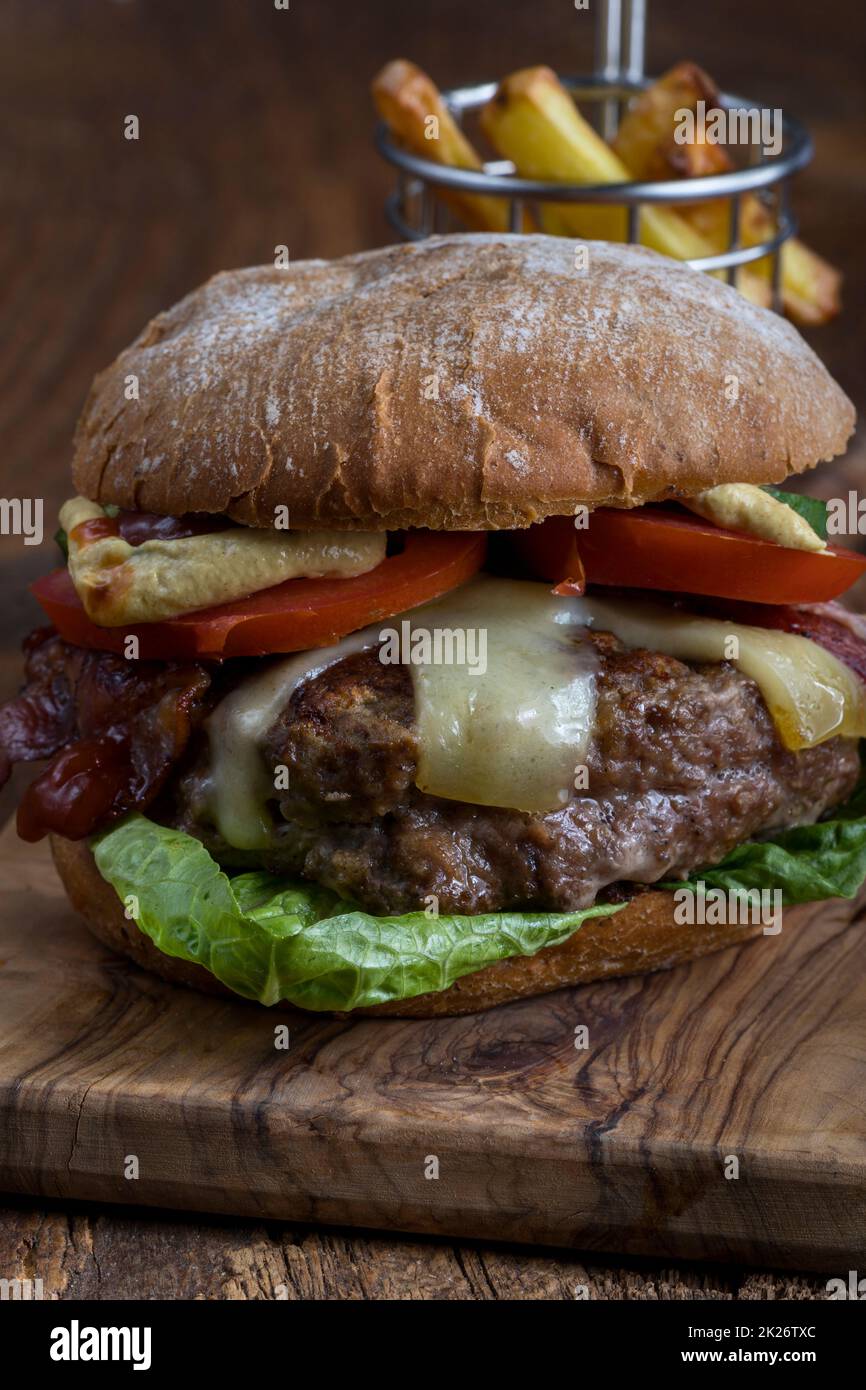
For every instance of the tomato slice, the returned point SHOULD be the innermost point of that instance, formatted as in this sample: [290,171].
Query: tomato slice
[296,615]
[651,548]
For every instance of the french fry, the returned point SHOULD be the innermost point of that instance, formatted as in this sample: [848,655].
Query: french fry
[411,105]
[810,285]
[533,121]
[645,143]
[645,139]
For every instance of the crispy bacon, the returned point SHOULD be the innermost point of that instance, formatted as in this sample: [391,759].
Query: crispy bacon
[112,728]
[42,718]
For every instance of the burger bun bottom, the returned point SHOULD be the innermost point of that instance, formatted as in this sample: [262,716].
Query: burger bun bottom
[641,937]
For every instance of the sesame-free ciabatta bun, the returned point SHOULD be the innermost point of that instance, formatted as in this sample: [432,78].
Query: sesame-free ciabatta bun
[641,937]
[464,382]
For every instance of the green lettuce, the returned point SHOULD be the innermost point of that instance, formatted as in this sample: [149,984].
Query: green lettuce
[807,864]
[269,939]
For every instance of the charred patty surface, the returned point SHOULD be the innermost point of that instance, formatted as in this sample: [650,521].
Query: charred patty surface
[685,764]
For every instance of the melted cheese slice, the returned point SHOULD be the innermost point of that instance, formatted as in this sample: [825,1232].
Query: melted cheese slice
[240,784]
[121,584]
[513,733]
[510,736]
[810,694]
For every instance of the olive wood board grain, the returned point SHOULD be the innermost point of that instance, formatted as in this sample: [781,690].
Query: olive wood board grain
[757,1053]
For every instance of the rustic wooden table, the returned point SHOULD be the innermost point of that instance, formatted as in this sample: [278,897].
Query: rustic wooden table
[255,131]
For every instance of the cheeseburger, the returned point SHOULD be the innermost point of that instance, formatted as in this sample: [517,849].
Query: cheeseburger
[433,631]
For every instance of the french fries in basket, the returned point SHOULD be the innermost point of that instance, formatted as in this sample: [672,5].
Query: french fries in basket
[412,107]
[645,144]
[533,121]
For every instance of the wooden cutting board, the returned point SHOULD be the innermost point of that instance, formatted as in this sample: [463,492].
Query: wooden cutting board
[757,1053]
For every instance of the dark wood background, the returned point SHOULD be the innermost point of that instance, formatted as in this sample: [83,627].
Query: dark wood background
[255,130]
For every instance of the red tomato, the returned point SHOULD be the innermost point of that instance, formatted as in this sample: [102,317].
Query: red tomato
[290,617]
[650,548]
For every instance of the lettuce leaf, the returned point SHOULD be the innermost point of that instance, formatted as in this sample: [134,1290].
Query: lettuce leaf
[269,939]
[807,864]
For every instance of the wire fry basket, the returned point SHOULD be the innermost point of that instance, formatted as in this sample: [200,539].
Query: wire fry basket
[414,212]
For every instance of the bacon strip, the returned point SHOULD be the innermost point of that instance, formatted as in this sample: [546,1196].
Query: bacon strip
[112,728]
[42,718]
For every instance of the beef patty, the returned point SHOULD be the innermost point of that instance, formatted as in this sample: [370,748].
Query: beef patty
[685,764]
